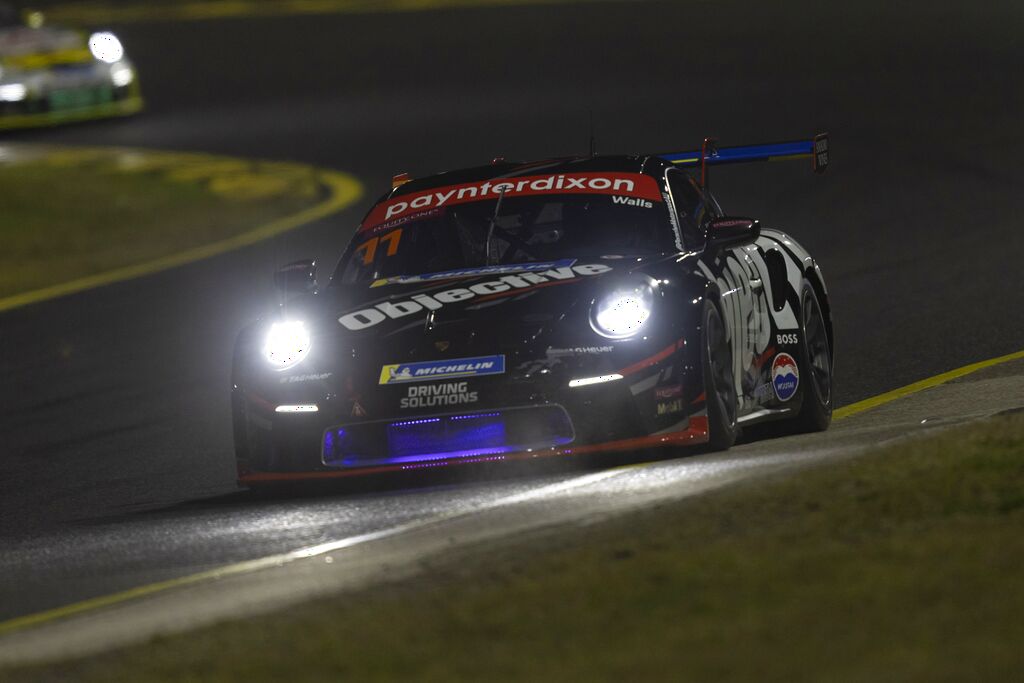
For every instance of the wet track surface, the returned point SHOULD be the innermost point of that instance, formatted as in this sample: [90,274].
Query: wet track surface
[115,451]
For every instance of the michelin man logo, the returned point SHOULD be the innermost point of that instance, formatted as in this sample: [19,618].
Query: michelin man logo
[403,375]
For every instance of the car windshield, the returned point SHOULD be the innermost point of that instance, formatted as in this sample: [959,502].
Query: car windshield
[509,230]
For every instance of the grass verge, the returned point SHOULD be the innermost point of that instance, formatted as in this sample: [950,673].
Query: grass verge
[904,564]
[69,213]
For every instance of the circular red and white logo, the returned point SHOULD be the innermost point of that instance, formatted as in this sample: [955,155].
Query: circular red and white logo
[785,376]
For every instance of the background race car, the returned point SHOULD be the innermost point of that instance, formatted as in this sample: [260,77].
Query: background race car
[51,75]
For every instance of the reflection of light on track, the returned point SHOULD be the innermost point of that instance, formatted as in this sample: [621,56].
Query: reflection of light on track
[630,486]
[689,476]
[281,559]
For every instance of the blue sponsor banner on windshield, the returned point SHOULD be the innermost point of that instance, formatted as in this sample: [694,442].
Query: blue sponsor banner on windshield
[473,272]
[400,373]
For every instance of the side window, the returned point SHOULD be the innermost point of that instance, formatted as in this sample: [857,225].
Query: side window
[690,207]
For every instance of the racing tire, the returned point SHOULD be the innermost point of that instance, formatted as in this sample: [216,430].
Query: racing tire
[815,365]
[719,383]
[240,435]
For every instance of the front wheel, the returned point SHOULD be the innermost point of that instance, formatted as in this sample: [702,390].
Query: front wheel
[719,383]
[816,365]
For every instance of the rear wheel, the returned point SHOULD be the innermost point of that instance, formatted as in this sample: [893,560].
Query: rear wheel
[815,364]
[719,383]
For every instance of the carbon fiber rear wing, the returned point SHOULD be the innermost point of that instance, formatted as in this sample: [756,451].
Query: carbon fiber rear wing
[710,154]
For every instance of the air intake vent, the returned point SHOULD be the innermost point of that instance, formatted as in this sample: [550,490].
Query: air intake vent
[436,439]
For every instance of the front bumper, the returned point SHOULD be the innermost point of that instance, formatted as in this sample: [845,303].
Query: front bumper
[656,401]
[51,99]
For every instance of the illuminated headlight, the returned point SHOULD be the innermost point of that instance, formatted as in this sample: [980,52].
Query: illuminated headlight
[13,92]
[286,344]
[121,75]
[106,47]
[622,313]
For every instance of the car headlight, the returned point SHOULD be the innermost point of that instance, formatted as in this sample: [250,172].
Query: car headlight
[622,313]
[13,92]
[121,75]
[106,47]
[286,343]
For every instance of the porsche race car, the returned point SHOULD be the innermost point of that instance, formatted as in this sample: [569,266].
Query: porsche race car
[521,310]
[51,75]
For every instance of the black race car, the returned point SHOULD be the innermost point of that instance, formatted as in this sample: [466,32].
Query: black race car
[519,310]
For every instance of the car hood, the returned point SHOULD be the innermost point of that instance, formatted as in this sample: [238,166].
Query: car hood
[23,41]
[482,303]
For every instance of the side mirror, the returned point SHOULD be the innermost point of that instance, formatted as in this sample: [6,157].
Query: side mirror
[297,277]
[732,231]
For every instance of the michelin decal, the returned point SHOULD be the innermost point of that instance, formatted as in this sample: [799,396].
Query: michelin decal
[425,371]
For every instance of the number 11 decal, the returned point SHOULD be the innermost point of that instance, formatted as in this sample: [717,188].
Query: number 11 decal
[369,247]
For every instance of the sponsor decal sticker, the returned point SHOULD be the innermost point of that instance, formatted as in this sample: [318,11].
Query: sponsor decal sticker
[673,391]
[786,338]
[305,378]
[425,371]
[421,303]
[358,410]
[670,407]
[785,376]
[388,225]
[473,272]
[630,201]
[579,350]
[625,185]
[434,395]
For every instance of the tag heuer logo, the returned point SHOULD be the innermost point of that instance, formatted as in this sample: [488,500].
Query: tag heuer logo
[442,345]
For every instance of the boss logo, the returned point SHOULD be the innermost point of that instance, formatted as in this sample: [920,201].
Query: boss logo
[788,338]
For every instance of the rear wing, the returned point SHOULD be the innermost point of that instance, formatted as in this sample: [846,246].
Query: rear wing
[710,154]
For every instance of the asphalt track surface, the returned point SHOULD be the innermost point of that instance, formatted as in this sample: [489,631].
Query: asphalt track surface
[115,446]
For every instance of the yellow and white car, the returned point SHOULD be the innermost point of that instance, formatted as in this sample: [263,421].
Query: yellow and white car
[51,75]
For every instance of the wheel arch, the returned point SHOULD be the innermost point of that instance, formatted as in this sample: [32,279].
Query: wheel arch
[814,277]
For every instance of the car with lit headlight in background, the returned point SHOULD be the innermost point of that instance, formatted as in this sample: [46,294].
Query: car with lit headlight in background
[520,310]
[51,75]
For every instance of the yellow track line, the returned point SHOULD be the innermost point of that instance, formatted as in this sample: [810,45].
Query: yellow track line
[343,191]
[95,13]
[27,621]
[74,608]
[39,618]
[882,399]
